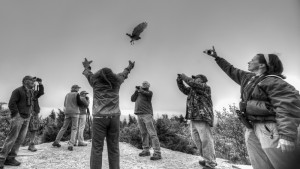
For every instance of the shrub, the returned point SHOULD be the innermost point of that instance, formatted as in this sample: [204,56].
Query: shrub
[229,137]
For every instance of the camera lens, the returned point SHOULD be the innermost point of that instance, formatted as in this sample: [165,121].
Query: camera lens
[209,52]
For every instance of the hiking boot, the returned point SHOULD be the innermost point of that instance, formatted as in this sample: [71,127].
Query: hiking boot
[12,162]
[70,148]
[156,156]
[202,162]
[82,144]
[144,153]
[207,165]
[32,148]
[56,144]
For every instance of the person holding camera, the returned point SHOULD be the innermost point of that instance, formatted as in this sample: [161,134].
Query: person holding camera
[34,123]
[199,111]
[21,107]
[106,113]
[143,109]
[71,110]
[271,109]
[82,118]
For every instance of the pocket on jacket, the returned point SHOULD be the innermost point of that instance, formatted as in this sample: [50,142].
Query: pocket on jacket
[269,129]
[258,108]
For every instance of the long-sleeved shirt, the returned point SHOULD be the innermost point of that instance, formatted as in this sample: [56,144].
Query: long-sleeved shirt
[105,97]
[142,99]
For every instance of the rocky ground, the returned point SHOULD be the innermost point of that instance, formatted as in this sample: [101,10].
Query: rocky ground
[48,157]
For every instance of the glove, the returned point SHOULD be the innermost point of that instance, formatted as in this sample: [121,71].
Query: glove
[86,64]
[131,65]
[285,145]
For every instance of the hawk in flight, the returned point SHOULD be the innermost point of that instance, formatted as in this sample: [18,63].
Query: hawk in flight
[136,32]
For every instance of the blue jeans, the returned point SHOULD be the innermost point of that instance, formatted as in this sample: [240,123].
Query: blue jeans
[64,128]
[15,137]
[147,129]
[109,128]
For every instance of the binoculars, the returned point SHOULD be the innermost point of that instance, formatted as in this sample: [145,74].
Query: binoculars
[37,79]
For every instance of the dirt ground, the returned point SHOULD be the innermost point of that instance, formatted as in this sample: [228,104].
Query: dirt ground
[48,157]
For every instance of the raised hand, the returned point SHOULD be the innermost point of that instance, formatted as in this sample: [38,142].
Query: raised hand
[86,63]
[131,65]
[211,52]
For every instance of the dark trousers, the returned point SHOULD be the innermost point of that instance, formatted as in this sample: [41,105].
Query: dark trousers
[109,128]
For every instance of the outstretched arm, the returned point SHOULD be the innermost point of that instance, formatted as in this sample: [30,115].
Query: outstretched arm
[123,75]
[87,71]
[235,74]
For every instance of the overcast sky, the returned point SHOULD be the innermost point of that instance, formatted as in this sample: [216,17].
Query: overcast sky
[50,39]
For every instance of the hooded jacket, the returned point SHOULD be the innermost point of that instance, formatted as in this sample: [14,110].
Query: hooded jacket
[106,93]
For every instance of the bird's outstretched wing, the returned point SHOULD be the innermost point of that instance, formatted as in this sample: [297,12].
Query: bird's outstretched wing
[139,29]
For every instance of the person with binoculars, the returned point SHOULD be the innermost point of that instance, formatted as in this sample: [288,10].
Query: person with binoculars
[34,123]
[270,109]
[21,107]
[199,112]
[144,111]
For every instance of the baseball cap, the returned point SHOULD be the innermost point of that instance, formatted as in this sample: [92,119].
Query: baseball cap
[27,78]
[204,79]
[75,87]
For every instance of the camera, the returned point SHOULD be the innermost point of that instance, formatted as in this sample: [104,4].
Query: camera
[138,87]
[209,52]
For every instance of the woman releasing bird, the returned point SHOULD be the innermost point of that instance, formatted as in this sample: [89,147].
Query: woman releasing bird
[136,32]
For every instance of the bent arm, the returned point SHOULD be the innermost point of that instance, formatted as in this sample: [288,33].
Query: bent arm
[185,90]
[40,91]
[134,96]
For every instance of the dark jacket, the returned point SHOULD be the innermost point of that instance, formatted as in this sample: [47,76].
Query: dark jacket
[271,97]
[199,104]
[83,108]
[21,102]
[142,99]
[37,94]
[106,97]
